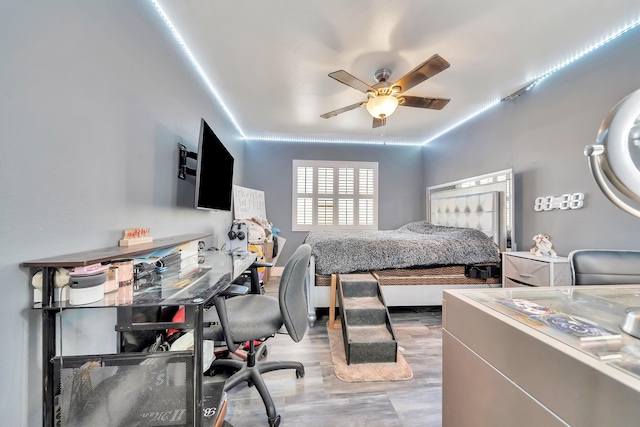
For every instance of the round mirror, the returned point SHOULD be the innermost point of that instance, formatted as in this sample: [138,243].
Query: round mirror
[616,155]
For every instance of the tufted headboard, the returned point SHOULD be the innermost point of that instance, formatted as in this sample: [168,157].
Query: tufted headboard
[485,202]
[480,211]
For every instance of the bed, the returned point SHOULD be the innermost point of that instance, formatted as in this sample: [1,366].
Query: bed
[465,231]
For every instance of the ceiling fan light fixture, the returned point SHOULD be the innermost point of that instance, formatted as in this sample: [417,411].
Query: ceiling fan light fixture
[382,106]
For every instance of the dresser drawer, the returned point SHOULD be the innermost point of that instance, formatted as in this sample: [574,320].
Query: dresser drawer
[530,272]
[508,283]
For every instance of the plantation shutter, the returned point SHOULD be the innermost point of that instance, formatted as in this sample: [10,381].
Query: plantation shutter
[331,195]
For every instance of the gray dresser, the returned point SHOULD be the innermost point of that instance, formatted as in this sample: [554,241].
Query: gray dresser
[524,269]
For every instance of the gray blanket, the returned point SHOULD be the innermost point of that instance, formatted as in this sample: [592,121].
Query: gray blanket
[412,245]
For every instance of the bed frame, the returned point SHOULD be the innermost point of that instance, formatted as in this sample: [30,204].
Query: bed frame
[483,202]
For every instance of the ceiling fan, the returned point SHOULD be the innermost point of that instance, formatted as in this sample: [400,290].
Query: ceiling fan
[383,97]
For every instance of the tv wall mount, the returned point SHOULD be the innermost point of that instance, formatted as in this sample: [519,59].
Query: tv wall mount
[183,169]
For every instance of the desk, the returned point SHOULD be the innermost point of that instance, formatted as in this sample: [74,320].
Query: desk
[184,368]
[503,368]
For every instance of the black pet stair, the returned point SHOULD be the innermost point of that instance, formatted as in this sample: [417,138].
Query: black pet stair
[366,327]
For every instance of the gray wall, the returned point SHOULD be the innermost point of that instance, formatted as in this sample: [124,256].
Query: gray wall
[94,97]
[401,197]
[541,135]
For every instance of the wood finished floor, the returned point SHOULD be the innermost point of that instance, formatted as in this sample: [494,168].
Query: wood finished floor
[320,399]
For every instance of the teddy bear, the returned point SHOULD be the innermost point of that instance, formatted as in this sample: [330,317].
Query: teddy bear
[542,246]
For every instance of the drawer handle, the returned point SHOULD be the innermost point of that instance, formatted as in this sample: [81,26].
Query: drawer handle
[525,275]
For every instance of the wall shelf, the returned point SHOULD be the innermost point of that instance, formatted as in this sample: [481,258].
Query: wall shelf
[84,258]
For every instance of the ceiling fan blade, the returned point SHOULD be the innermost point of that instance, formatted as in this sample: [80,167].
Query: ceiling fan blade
[379,122]
[346,78]
[342,110]
[431,103]
[422,72]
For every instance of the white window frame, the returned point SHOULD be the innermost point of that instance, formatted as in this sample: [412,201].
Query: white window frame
[314,195]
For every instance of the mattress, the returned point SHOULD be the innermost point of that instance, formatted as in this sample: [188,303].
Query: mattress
[414,244]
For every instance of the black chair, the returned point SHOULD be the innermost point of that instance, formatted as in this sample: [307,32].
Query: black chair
[254,317]
[605,267]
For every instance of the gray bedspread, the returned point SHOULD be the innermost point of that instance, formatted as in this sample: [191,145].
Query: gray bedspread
[415,244]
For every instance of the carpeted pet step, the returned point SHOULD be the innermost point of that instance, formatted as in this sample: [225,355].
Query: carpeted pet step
[376,334]
[371,344]
[364,311]
[366,327]
[359,285]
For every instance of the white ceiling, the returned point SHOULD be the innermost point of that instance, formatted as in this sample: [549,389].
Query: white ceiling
[268,61]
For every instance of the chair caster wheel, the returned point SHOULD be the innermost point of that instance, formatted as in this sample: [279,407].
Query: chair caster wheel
[264,354]
[274,422]
[299,374]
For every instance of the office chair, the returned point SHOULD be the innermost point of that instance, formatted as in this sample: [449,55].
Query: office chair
[253,317]
[604,267]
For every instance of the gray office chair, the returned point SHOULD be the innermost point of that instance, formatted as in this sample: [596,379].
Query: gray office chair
[254,317]
[605,267]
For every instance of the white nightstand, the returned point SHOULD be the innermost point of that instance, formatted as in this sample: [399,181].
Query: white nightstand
[525,269]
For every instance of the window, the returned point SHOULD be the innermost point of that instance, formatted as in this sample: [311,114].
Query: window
[330,195]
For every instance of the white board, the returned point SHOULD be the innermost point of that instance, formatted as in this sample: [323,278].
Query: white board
[248,203]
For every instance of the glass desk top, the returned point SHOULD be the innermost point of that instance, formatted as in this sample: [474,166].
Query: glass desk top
[586,318]
[212,276]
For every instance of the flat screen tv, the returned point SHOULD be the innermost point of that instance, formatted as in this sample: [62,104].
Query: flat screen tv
[214,172]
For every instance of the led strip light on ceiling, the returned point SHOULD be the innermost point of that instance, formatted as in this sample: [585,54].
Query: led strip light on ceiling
[197,67]
[584,52]
[461,122]
[281,138]
[541,77]
[328,140]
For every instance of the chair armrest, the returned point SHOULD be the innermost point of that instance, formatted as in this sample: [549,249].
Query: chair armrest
[213,317]
[258,264]
[255,277]
[235,290]
[221,309]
